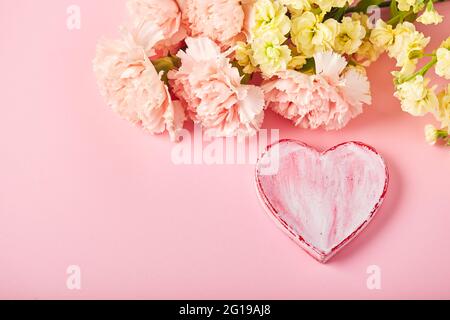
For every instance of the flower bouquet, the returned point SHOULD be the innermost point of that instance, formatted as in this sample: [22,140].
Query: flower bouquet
[224,63]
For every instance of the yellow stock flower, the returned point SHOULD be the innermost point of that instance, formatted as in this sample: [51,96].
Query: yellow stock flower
[297,62]
[297,6]
[430,16]
[431,134]
[327,5]
[368,53]
[310,35]
[364,20]
[443,63]
[446,44]
[443,112]
[405,27]
[270,55]
[382,35]
[350,36]
[244,57]
[406,5]
[270,16]
[408,43]
[416,97]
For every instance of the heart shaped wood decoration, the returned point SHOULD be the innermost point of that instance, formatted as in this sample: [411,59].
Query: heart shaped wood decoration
[321,200]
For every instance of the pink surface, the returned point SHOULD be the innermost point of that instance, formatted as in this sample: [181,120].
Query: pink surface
[322,200]
[81,187]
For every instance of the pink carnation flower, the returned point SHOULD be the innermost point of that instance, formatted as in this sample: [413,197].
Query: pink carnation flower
[212,91]
[166,15]
[219,20]
[248,6]
[131,85]
[329,99]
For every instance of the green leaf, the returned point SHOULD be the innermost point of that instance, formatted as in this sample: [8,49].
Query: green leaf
[363,5]
[166,64]
[341,12]
[394,9]
[401,17]
[411,18]
[309,67]
[245,77]
[331,15]
[416,54]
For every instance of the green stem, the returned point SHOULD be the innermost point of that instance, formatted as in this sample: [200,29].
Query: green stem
[422,71]
[385,4]
[401,17]
[428,66]
[443,134]
[358,9]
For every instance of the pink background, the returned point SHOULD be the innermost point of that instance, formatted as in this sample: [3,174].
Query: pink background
[79,186]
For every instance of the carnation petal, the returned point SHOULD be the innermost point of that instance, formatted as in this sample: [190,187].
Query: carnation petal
[357,87]
[166,15]
[131,85]
[330,65]
[210,88]
[219,20]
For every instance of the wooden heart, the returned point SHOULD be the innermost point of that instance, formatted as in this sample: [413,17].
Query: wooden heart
[321,200]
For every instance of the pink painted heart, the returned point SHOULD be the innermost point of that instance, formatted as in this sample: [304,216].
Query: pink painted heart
[322,200]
